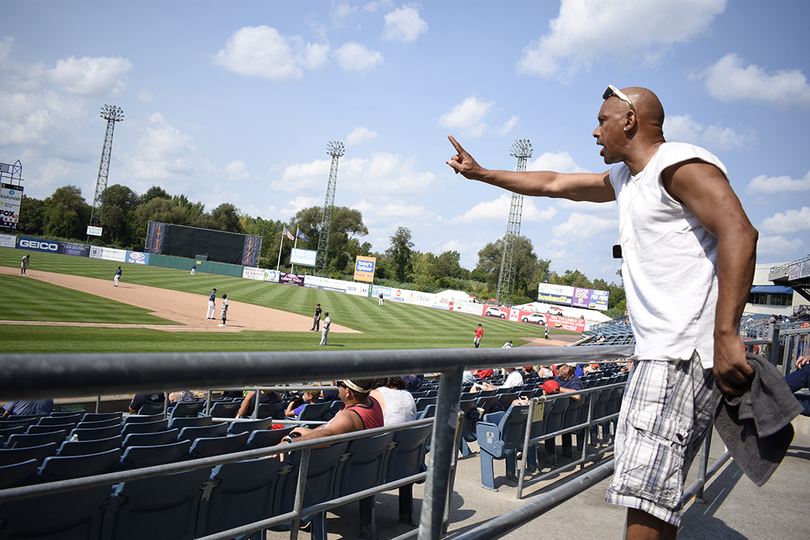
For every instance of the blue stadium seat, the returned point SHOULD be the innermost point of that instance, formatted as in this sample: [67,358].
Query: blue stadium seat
[314,411]
[78,448]
[96,417]
[10,456]
[186,421]
[158,508]
[87,434]
[99,423]
[500,435]
[555,413]
[49,428]
[72,419]
[192,433]
[142,418]
[135,457]
[271,410]
[16,474]
[150,439]
[23,440]
[239,493]
[266,438]
[216,446]
[151,408]
[468,424]
[238,426]
[145,427]
[225,409]
[406,457]
[186,408]
[66,467]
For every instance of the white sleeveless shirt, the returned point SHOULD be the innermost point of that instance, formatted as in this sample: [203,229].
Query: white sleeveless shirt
[669,261]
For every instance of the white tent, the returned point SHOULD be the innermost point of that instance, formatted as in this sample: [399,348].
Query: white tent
[455,296]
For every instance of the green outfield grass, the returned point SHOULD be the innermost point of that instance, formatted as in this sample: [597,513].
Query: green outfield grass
[393,326]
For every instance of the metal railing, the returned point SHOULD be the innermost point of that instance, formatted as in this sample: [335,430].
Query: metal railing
[75,375]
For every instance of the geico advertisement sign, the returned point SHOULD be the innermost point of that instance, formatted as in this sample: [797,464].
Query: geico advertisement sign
[39,245]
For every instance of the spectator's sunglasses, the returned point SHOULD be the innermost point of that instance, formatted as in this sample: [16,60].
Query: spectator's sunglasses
[613,91]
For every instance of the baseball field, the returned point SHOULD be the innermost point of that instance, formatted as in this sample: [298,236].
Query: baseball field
[69,304]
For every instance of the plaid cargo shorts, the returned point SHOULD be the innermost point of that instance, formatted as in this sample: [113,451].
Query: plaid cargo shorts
[667,408]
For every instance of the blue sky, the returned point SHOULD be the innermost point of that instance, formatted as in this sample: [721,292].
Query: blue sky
[236,102]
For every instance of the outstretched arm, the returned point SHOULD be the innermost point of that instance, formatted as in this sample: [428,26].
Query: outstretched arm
[707,193]
[573,186]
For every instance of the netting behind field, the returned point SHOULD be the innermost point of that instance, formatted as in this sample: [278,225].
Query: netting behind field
[191,242]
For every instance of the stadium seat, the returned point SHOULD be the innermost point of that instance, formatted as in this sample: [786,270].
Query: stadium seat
[239,493]
[314,411]
[500,435]
[573,417]
[151,408]
[187,408]
[10,456]
[135,457]
[216,446]
[555,413]
[71,515]
[96,417]
[186,421]
[364,468]
[16,474]
[49,428]
[86,434]
[143,418]
[66,467]
[78,448]
[225,409]
[406,457]
[26,440]
[468,424]
[162,507]
[145,427]
[149,439]
[271,410]
[99,423]
[192,433]
[64,419]
[238,426]
[266,438]
[423,402]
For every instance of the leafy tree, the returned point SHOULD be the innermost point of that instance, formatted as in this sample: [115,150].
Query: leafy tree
[529,270]
[66,213]
[193,211]
[120,203]
[162,210]
[346,223]
[226,217]
[32,216]
[400,252]
[154,192]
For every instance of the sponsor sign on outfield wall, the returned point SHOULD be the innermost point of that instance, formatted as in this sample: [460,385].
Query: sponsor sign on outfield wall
[260,274]
[291,279]
[136,257]
[35,244]
[8,241]
[572,296]
[364,268]
[303,257]
[108,254]
[77,250]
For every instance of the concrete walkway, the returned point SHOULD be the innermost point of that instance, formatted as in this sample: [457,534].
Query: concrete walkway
[735,509]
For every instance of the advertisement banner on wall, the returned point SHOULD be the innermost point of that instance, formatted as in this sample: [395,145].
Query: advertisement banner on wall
[8,241]
[108,254]
[77,250]
[364,268]
[260,274]
[599,299]
[137,257]
[10,199]
[325,284]
[565,323]
[34,244]
[303,257]
[291,279]
[556,294]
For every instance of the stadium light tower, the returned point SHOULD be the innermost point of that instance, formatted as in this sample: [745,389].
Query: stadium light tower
[111,114]
[334,149]
[522,150]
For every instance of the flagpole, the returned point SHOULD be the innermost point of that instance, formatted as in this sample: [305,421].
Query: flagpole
[280,245]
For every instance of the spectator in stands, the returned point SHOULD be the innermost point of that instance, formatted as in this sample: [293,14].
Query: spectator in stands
[550,387]
[297,404]
[568,380]
[396,402]
[361,412]
[188,395]
[233,393]
[528,371]
[799,379]
[484,373]
[544,371]
[265,396]
[514,378]
[467,377]
[38,407]
[329,395]
[139,399]
[413,382]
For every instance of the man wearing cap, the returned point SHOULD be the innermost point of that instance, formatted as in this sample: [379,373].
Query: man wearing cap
[684,235]
[360,412]
[327,322]
[212,305]
[316,321]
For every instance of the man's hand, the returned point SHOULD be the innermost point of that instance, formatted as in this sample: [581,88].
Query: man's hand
[802,361]
[731,369]
[463,162]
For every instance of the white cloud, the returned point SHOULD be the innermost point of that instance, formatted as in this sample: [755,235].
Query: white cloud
[384,174]
[727,80]
[778,184]
[718,138]
[560,162]
[37,119]
[360,135]
[404,25]
[355,57]
[342,10]
[162,152]
[498,210]
[469,116]
[631,31]
[788,222]
[509,125]
[237,170]
[778,245]
[262,52]
[379,5]
[301,176]
[87,76]
[299,203]
[582,226]
[146,96]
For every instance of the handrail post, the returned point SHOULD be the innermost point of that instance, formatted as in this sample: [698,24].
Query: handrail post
[441,455]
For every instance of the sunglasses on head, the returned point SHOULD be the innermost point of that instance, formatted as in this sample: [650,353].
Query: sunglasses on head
[613,91]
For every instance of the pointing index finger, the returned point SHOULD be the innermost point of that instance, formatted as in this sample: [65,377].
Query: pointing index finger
[455,144]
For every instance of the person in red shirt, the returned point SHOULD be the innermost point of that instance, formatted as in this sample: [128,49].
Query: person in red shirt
[479,333]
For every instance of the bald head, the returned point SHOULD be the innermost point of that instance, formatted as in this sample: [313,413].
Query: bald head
[648,107]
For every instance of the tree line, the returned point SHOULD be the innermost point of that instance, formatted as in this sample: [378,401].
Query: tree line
[65,215]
